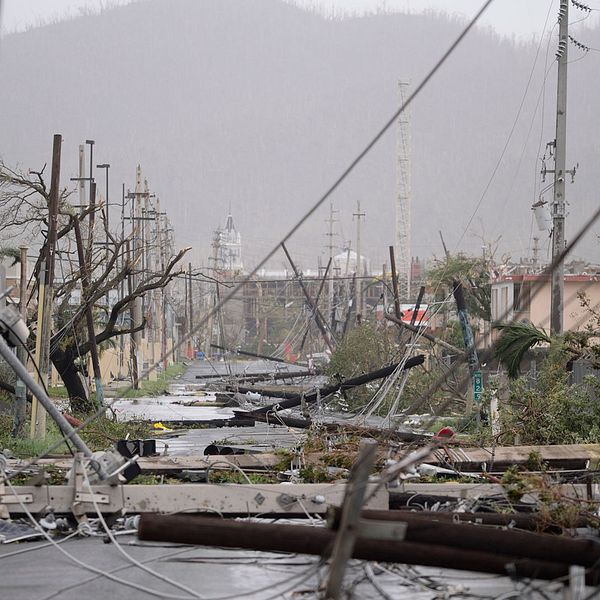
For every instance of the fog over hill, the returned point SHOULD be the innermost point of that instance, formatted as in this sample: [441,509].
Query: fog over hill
[260,105]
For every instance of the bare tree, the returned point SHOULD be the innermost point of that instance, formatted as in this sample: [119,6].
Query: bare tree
[24,201]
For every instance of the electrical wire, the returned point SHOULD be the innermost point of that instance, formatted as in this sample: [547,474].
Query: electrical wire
[305,575]
[349,169]
[72,586]
[508,138]
[38,547]
[535,289]
[84,565]
[353,164]
[127,556]
[375,583]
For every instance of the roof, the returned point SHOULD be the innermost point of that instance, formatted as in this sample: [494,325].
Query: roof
[579,278]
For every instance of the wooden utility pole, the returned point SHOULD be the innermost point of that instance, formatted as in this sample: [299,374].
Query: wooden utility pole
[45,292]
[89,316]
[558,205]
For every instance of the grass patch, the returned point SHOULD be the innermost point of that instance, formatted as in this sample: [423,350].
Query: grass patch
[103,433]
[237,477]
[153,388]
[58,391]
[99,435]
[26,447]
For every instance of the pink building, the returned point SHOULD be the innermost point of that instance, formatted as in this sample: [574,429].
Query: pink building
[527,298]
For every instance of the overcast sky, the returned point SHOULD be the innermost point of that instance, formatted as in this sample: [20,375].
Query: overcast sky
[522,18]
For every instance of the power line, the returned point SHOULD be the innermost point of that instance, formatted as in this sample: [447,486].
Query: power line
[509,137]
[390,122]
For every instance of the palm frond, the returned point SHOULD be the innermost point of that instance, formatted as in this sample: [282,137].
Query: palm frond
[515,340]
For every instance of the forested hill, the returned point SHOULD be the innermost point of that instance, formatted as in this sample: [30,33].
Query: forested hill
[259,105]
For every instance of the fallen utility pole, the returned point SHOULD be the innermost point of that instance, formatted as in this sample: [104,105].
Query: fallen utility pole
[529,522]
[413,319]
[319,320]
[317,304]
[258,376]
[299,423]
[466,536]
[425,334]
[255,355]
[284,499]
[210,531]
[40,394]
[294,398]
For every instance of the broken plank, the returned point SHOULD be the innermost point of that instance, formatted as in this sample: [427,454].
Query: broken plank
[566,456]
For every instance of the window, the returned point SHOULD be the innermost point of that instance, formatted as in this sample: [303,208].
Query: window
[521,296]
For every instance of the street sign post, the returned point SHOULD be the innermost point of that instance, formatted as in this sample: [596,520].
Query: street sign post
[477,386]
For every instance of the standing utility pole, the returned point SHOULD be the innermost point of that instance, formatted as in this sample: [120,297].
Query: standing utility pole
[136,337]
[213,295]
[330,235]
[191,314]
[403,199]
[45,295]
[397,311]
[558,205]
[359,266]
[89,317]
[122,284]
[20,388]
[161,269]
[472,359]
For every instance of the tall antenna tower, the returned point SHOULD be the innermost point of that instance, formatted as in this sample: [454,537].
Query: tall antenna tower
[403,194]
